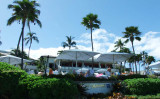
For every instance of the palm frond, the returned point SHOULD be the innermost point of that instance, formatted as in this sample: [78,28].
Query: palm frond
[11,20]
[138,38]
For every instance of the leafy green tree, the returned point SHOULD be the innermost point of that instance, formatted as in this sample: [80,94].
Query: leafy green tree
[30,37]
[69,43]
[119,44]
[19,53]
[132,33]
[22,11]
[42,64]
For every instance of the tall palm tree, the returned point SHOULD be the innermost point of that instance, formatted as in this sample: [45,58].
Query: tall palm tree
[23,10]
[69,43]
[91,22]
[131,34]
[29,39]
[33,18]
[119,44]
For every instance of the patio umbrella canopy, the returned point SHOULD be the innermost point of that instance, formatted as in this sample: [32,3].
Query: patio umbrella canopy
[155,65]
[12,59]
[76,55]
[113,57]
[101,71]
[84,70]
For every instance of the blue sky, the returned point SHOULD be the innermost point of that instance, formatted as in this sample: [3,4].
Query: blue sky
[62,18]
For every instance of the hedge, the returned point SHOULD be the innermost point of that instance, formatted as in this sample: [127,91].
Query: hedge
[142,86]
[124,77]
[16,84]
[9,79]
[35,87]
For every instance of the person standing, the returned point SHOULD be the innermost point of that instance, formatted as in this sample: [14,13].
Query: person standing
[50,70]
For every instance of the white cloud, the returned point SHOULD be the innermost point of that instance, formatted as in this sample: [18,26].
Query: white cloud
[35,54]
[150,42]
[104,42]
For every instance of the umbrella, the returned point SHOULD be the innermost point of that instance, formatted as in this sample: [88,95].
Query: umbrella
[155,65]
[113,57]
[12,59]
[101,71]
[75,54]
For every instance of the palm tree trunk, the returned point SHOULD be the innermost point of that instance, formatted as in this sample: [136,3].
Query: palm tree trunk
[29,48]
[121,68]
[92,48]
[133,68]
[18,43]
[134,57]
[139,68]
[23,25]
[124,65]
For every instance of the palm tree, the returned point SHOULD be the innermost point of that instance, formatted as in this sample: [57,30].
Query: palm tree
[125,50]
[131,60]
[31,36]
[91,22]
[59,52]
[69,43]
[119,44]
[150,59]
[138,58]
[131,34]
[144,57]
[23,11]
[19,53]
[33,18]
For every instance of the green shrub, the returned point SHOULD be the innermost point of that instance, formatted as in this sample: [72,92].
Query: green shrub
[123,77]
[9,79]
[142,86]
[6,67]
[49,88]
[152,76]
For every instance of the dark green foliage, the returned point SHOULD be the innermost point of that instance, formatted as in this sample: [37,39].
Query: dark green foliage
[49,88]
[9,79]
[123,77]
[142,86]
[16,84]
[69,42]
